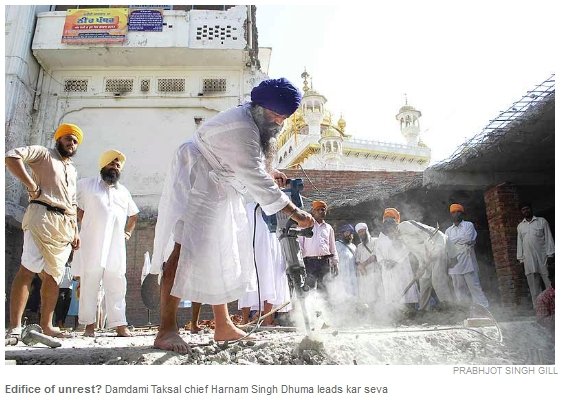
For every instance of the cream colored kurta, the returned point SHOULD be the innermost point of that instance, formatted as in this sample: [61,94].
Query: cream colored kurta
[535,243]
[202,208]
[52,232]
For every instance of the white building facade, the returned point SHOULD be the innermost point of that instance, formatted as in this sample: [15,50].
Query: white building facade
[143,96]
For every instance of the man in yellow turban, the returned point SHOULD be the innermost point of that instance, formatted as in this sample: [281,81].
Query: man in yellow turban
[108,215]
[69,129]
[465,271]
[49,223]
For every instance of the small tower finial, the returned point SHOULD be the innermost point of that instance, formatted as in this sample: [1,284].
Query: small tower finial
[305,75]
[405,95]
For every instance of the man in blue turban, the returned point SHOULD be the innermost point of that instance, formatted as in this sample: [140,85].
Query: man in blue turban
[227,163]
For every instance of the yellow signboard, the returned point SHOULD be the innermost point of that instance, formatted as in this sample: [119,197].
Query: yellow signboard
[95,25]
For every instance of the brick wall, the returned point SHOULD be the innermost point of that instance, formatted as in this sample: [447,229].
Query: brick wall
[503,215]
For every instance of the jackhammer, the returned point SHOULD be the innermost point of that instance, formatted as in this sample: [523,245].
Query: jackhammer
[287,235]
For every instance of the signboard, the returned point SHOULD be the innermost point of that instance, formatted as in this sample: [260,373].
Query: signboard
[146,20]
[95,25]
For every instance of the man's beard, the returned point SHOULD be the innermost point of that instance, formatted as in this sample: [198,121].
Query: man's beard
[63,152]
[365,238]
[110,176]
[267,133]
[347,239]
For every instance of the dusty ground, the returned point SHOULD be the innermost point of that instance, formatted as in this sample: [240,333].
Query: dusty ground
[437,338]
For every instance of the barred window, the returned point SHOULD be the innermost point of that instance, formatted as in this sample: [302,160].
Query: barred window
[217,32]
[75,85]
[145,85]
[214,85]
[118,85]
[171,85]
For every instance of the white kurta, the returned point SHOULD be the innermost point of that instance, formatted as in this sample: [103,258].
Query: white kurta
[346,281]
[534,245]
[430,251]
[463,236]
[203,209]
[102,255]
[370,286]
[465,274]
[263,259]
[396,277]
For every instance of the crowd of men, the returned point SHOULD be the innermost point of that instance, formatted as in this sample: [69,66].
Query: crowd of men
[210,238]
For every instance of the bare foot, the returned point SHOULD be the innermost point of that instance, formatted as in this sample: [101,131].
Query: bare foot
[195,328]
[170,340]
[54,332]
[123,331]
[229,332]
[90,330]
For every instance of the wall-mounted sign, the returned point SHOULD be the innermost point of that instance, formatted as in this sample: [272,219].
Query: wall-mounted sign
[95,25]
[146,20]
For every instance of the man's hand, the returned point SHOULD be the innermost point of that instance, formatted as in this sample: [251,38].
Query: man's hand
[76,242]
[361,269]
[279,177]
[34,193]
[334,269]
[304,219]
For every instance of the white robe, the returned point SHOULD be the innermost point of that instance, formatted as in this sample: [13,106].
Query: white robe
[102,254]
[432,257]
[202,208]
[346,282]
[270,269]
[370,286]
[397,277]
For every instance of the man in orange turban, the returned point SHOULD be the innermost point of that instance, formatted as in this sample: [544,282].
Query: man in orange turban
[318,204]
[49,223]
[319,251]
[456,208]
[391,213]
[465,271]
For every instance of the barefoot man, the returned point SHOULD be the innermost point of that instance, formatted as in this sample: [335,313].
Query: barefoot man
[49,223]
[108,215]
[202,237]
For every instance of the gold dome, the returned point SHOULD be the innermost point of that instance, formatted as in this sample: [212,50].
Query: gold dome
[342,123]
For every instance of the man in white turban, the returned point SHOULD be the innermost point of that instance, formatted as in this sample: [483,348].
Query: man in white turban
[108,215]
[370,286]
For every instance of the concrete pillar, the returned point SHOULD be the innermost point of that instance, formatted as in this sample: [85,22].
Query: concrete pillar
[503,215]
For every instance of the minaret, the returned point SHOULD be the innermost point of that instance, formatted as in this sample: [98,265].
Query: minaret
[408,118]
[312,107]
